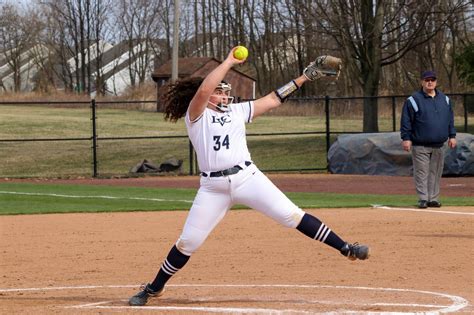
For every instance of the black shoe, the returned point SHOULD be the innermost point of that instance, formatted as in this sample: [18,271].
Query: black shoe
[422,204]
[141,298]
[434,204]
[355,251]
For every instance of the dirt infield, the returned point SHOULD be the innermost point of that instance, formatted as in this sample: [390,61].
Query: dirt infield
[91,263]
[412,253]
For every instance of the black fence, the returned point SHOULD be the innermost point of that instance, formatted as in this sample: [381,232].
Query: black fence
[25,156]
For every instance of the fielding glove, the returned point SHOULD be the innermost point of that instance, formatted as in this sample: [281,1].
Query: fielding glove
[323,67]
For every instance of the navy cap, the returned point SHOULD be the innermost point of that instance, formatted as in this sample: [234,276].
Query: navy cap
[428,74]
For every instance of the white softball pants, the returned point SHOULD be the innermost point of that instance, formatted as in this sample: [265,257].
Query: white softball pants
[217,195]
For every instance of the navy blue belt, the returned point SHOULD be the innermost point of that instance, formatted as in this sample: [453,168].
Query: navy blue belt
[230,171]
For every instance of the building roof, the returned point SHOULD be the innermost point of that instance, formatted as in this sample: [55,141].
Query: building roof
[187,67]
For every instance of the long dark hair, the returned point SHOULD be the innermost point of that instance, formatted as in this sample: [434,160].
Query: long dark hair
[175,97]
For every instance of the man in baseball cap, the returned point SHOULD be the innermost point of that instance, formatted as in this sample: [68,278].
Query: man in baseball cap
[427,123]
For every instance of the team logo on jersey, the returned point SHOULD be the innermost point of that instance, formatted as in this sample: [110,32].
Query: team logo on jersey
[221,120]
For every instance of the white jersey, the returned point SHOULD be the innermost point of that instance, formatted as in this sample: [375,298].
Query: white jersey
[220,143]
[219,138]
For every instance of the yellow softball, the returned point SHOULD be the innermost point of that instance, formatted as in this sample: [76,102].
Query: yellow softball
[241,53]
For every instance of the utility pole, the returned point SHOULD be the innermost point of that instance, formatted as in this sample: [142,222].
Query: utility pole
[174,58]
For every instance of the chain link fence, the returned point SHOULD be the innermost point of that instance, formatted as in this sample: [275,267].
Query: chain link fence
[107,139]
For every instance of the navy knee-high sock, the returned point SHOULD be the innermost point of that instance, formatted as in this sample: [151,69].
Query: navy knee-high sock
[312,227]
[173,262]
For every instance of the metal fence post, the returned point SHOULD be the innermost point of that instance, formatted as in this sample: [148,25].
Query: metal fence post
[394,115]
[465,112]
[94,138]
[328,130]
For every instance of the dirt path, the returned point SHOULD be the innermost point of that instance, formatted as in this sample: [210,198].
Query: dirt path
[354,184]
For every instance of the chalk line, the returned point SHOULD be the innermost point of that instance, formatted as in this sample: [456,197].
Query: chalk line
[92,197]
[458,302]
[420,210]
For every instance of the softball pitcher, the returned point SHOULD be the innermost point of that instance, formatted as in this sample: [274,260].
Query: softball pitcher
[216,128]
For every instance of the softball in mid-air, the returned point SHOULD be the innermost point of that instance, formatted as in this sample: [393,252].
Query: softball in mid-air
[241,53]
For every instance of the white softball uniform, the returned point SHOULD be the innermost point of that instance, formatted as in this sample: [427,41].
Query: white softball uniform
[220,143]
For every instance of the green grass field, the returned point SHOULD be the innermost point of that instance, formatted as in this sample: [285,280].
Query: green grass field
[117,157]
[27,198]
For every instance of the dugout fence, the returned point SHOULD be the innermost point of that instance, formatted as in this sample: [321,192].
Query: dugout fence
[106,138]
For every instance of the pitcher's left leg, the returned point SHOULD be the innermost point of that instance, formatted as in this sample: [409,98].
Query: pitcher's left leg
[259,193]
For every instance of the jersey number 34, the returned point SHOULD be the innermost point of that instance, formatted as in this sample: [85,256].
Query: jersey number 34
[218,144]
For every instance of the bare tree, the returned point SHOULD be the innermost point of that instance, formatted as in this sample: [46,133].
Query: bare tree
[75,27]
[376,33]
[384,43]
[100,30]
[63,35]
[263,36]
[18,35]
[140,25]
[447,44]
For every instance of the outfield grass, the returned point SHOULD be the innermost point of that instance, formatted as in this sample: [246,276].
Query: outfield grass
[27,198]
[117,157]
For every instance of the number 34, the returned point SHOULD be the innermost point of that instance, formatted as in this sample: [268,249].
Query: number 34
[218,144]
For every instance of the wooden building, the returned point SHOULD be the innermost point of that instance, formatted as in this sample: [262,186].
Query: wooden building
[243,86]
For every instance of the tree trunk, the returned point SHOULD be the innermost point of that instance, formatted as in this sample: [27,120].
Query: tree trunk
[371,62]
[370,122]
[371,75]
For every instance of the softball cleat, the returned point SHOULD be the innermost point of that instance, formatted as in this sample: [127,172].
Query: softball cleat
[141,298]
[355,251]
